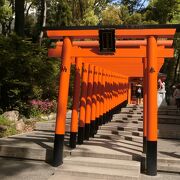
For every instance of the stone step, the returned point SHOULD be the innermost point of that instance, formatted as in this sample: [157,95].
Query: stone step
[121,126]
[116,132]
[127,115]
[129,120]
[37,145]
[98,149]
[103,162]
[134,106]
[168,165]
[126,120]
[58,176]
[123,123]
[169,131]
[120,135]
[127,110]
[106,135]
[95,173]
[131,143]
[169,112]
[131,113]
[131,109]
[168,108]
[137,133]
[133,138]
[50,126]
[128,128]
[166,119]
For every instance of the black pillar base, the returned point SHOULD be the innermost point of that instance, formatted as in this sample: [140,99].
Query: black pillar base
[87,131]
[92,128]
[151,158]
[58,150]
[100,120]
[72,142]
[144,144]
[80,135]
[104,119]
[110,116]
[97,124]
[107,117]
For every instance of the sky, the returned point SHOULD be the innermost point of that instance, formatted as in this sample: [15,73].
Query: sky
[145,4]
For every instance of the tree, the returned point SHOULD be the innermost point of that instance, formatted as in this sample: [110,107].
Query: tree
[135,18]
[111,16]
[25,73]
[19,17]
[100,5]
[43,19]
[162,11]
[133,5]
[89,17]
[5,16]
[59,13]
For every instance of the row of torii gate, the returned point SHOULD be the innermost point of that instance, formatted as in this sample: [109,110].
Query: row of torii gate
[102,79]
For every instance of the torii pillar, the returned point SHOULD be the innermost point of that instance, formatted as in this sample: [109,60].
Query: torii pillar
[62,102]
[152,122]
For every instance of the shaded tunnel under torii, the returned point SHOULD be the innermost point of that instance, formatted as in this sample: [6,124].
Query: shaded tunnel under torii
[138,53]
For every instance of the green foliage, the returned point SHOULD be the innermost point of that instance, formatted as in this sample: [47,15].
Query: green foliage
[25,73]
[10,127]
[11,130]
[5,11]
[111,16]
[2,2]
[59,13]
[4,121]
[99,6]
[135,18]
[89,18]
[163,11]
[34,112]
[132,5]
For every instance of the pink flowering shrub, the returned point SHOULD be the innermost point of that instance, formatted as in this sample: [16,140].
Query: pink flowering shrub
[42,107]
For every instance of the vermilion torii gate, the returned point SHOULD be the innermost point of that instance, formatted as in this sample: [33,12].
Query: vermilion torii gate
[105,85]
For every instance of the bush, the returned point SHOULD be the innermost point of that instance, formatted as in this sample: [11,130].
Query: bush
[26,73]
[38,107]
[10,128]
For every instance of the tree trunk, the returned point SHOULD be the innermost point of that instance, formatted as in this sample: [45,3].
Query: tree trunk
[81,8]
[27,12]
[3,28]
[43,15]
[19,17]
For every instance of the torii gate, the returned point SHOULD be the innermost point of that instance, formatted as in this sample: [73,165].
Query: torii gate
[139,53]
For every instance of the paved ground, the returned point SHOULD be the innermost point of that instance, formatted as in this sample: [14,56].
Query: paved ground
[14,169]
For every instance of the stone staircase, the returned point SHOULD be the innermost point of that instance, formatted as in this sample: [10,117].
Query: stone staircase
[114,153]
[169,123]
[168,134]
[97,168]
